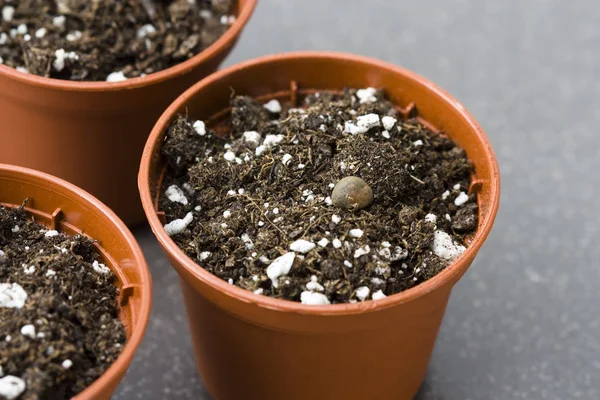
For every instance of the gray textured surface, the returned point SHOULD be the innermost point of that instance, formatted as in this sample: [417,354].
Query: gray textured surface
[524,323]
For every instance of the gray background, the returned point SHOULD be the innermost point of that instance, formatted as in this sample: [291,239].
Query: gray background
[524,322]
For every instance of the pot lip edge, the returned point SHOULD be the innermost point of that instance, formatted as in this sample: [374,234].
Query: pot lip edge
[206,55]
[186,266]
[118,368]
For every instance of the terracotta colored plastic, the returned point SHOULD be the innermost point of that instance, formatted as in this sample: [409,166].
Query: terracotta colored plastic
[92,133]
[251,346]
[63,206]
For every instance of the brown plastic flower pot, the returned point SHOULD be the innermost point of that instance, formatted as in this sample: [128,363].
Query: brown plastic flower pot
[251,346]
[92,133]
[62,206]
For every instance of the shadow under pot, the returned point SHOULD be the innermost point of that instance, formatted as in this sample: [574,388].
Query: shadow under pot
[92,133]
[248,342]
[71,250]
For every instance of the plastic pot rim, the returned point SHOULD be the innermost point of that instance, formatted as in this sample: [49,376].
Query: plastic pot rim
[120,366]
[187,266]
[205,55]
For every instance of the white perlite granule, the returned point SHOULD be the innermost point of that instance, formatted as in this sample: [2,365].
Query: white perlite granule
[11,387]
[323,242]
[12,295]
[73,36]
[51,233]
[302,246]
[176,195]
[313,298]
[280,266]
[461,199]
[285,160]
[8,13]
[22,29]
[59,21]
[62,56]
[363,124]
[362,293]
[431,218]
[40,33]
[272,140]
[337,243]
[444,247]
[388,122]
[145,31]
[273,106]
[366,95]
[314,285]
[229,155]
[177,226]
[28,270]
[67,364]
[199,127]
[100,268]
[356,233]
[361,251]
[378,295]
[50,272]
[252,138]
[117,76]
[28,330]
[205,255]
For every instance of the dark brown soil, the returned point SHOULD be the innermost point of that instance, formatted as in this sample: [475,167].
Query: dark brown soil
[246,210]
[88,40]
[67,333]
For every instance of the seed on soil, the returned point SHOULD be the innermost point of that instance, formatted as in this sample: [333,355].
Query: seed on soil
[352,193]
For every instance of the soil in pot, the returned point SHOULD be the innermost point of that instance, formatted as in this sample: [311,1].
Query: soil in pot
[344,199]
[107,40]
[59,325]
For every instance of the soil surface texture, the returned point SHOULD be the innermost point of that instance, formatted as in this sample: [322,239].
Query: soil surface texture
[337,201]
[59,326]
[112,40]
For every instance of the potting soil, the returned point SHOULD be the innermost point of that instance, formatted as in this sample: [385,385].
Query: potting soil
[59,325]
[264,207]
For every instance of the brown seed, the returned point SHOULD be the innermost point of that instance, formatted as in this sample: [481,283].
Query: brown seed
[352,193]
